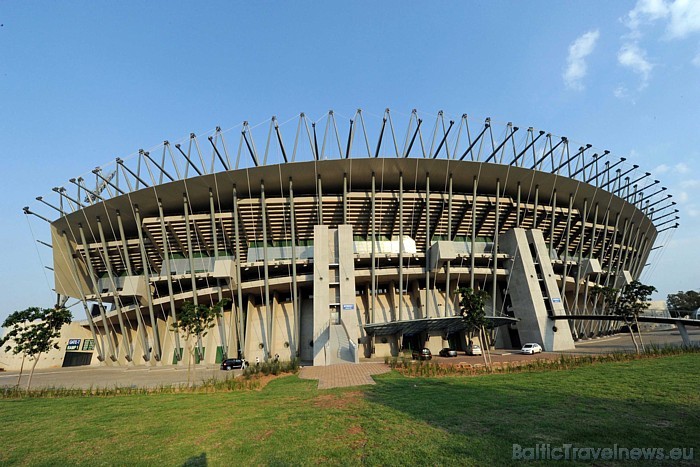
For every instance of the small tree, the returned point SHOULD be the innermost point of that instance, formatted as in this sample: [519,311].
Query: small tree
[195,321]
[32,332]
[472,304]
[628,304]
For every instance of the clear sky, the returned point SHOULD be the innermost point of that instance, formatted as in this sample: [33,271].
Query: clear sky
[84,82]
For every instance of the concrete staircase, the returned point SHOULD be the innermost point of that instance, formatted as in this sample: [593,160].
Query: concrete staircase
[340,351]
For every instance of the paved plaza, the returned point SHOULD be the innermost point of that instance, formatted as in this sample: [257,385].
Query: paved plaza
[346,374]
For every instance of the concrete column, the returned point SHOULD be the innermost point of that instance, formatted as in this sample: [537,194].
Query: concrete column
[345,198]
[99,343]
[319,193]
[239,291]
[266,271]
[169,275]
[190,253]
[130,272]
[91,272]
[472,261]
[684,333]
[536,210]
[321,302]
[517,209]
[448,291]
[373,234]
[108,266]
[566,250]
[220,321]
[427,246]
[295,290]
[401,254]
[551,225]
[147,278]
[494,253]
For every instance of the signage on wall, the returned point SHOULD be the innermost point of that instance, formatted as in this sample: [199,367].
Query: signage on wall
[73,344]
[348,307]
[89,344]
[556,300]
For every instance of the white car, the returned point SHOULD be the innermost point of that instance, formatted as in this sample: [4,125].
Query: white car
[474,350]
[531,348]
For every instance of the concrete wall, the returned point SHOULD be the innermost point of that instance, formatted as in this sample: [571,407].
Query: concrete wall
[526,294]
[54,358]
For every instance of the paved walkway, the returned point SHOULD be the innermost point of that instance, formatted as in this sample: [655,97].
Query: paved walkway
[343,375]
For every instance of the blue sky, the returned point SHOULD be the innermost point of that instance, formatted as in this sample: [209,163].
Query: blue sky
[84,82]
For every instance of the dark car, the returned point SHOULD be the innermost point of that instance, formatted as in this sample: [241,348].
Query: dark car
[447,352]
[233,364]
[422,354]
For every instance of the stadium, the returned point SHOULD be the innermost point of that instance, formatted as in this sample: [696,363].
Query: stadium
[336,241]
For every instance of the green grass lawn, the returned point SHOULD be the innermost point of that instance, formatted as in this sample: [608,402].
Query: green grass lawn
[426,421]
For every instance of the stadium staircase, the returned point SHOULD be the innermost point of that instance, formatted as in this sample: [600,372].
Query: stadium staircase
[340,351]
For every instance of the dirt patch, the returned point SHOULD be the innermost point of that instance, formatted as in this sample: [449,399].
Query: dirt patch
[264,380]
[265,435]
[337,401]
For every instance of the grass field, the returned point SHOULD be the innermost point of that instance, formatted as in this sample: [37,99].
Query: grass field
[425,421]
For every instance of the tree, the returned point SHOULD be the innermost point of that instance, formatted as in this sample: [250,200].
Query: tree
[628,304]
[471,305]
[682,303]
[32,332]
[195,321]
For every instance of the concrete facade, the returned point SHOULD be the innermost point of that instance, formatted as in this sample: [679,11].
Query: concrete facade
[310,252]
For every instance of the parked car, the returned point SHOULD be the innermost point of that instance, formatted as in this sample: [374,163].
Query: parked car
[447,352]
[474,349]
[422,354]
[234,364]
[531,348]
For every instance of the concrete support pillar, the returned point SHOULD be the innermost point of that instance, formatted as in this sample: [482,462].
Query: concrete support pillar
[126,344]
[149,293]
[428,299]
[266,271]
[472,259]
[99,343]
[494,253]
[113,352]
[169,275]
[684,333]
[129,270]
[295,290]
[373,234]
[401,253]
[239,291]
[220,321]
[321,302]
[448,290]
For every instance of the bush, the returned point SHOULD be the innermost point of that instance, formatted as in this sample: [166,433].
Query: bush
[424,369]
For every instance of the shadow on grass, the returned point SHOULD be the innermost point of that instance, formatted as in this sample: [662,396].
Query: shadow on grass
[480,419]
[196,461]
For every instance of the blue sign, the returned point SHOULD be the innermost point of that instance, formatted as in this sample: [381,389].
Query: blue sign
[349,307]
[73,344]
[556,300]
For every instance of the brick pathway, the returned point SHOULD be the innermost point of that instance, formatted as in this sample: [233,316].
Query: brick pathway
[343,375]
